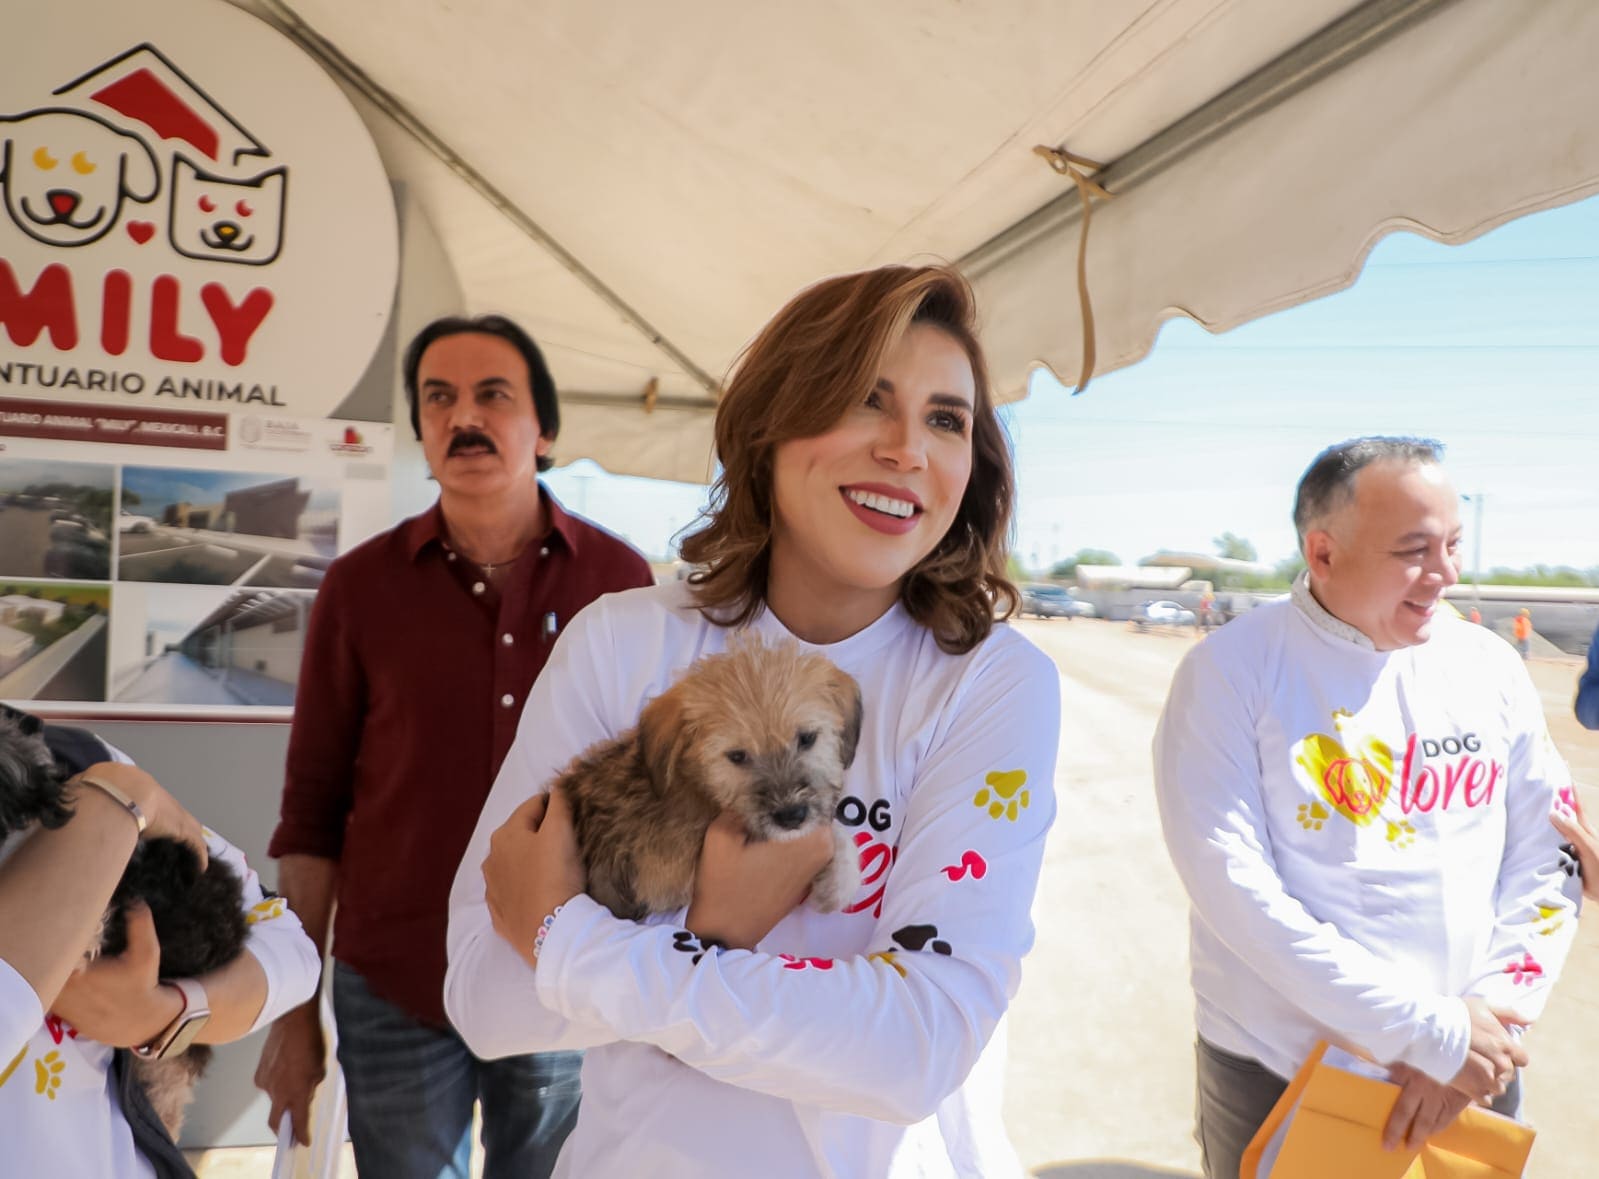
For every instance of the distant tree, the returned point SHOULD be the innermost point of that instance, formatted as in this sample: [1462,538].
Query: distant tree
[1235,547]
[1562,575]
[1289,568]
[1068,567]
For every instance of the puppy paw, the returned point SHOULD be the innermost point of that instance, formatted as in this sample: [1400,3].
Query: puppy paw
[840,880]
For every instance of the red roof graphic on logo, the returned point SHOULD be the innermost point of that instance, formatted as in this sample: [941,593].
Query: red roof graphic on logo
[146,88]
[142,97]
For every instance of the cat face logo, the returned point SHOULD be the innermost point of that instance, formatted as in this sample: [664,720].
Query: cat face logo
[67,169]
[66,174]
[226,220]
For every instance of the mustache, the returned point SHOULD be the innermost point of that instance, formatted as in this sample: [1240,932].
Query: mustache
[468,438]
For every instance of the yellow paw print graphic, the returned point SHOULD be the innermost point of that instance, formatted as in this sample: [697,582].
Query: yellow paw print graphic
[12,1067]
[887,957]
[1312,815]
[1003,796]
[265,910]
[1401,834]
[1548,920]
[47,1074]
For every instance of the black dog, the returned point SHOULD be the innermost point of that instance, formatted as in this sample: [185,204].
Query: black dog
[199,916]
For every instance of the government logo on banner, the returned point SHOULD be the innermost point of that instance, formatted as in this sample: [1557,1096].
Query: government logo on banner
[191,215]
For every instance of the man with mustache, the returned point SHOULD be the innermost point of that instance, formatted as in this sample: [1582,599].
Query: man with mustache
[1355,786]
[423,645]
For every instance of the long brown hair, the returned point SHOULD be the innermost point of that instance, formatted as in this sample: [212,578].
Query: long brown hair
[819,356]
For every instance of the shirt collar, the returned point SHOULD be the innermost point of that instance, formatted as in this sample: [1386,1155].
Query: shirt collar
[428,528]
[1318,614]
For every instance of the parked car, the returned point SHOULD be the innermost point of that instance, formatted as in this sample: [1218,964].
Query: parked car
[1052,601]
[1163,614]
[130,522]
[77,553]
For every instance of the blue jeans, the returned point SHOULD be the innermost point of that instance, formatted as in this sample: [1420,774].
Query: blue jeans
[411,1088]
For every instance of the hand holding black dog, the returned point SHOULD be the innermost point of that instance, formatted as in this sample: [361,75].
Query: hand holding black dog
[121,1001]
[163,814]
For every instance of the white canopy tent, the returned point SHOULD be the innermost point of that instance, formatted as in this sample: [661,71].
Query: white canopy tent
[643,184]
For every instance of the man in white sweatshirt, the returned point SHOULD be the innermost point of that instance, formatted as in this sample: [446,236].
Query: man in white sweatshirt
[1355,786]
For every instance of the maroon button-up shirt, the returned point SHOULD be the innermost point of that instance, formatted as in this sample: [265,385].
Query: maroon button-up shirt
[412,683]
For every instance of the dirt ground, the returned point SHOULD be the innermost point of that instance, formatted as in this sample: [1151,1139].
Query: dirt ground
[1101,1041]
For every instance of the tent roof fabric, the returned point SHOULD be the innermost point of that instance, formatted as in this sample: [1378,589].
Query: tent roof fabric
[643,185]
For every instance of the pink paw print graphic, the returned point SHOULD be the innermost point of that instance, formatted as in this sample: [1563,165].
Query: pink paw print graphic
[1527,971]
[792,963]
[972,864]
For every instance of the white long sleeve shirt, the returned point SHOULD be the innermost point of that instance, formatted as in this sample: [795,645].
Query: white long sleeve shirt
[58,1107]
[1364,836]
[839,1047]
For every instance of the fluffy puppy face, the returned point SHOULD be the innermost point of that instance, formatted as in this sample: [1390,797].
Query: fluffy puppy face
[763,731]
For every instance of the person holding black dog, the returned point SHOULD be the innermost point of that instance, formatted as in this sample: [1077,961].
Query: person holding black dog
[73,811]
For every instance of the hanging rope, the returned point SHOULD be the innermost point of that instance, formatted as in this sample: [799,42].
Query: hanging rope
[1067,164]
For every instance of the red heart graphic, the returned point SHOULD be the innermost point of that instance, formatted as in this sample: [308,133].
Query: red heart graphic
[141,231]
[970,862]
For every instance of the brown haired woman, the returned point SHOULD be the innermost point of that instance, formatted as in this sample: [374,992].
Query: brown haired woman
[862,508]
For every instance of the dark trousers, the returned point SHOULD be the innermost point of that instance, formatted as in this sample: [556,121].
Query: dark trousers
[411,1089]
[1233,1096]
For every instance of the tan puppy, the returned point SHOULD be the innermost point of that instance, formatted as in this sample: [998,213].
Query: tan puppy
[765,732]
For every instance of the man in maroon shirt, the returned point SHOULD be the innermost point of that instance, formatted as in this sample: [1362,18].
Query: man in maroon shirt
[423,644]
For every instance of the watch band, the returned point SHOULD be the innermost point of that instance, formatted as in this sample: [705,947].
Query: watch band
[127,803]
[178,1035]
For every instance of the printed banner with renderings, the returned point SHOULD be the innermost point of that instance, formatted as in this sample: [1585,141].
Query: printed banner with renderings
[128,588]
[53,640]
[205,647]
[187,204]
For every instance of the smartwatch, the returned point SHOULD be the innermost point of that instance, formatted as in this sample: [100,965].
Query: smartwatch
[180,1034]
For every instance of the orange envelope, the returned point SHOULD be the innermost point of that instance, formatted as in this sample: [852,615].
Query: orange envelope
[1336,1133]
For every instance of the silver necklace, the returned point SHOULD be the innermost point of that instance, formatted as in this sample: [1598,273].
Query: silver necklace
[489,568]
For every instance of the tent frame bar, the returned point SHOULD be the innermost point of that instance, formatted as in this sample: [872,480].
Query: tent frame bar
[333,59]
[1323,53]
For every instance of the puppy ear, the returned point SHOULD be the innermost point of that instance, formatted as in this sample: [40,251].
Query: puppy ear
[140,180]
[664,733]
[847,699]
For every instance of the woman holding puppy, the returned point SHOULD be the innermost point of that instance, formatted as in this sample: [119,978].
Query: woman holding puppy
[863,508]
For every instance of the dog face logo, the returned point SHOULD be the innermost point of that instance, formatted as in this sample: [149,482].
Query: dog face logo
[766,732]
[66,173]
[218,219]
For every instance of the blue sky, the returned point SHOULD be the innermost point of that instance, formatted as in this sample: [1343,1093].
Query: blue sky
[1491,347]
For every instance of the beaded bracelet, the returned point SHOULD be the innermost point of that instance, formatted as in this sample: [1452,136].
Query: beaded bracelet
[544,931]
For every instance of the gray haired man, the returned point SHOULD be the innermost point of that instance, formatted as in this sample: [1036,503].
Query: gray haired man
[1355,786]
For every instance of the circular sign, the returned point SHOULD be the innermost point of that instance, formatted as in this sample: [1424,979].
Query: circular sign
[192,215]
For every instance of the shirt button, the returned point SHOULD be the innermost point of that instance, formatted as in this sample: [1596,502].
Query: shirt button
[507,700]
[507,639]
[477,587]
[544,552]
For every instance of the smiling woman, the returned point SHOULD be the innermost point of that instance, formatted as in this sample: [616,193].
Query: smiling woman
[862,514]
[862,461]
